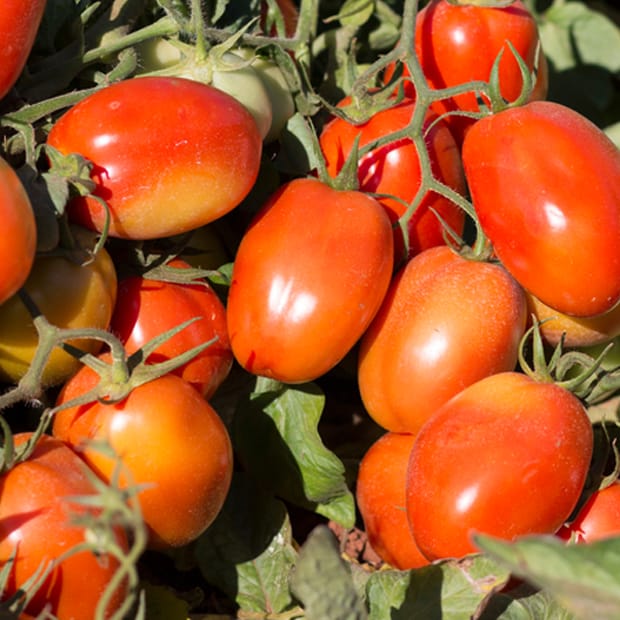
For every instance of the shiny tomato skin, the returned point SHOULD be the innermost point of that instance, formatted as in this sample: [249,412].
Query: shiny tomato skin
[34,513]
[445,323]
[395,169]
[309,275]
[185,159]
[168,437]
[458,43]
[70,295]
[380,496]
[147,308]
[19,241]
[19,23]
[507,457]
[598,518]
[554,221]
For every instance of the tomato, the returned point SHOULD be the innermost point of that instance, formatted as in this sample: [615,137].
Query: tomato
[445,323]
[309,275]
[554,221]
[380,495]
[458,42]
[185,159]
[34,522]
[507,457]
[577,331]
[69,295]
[19,23]
[395,169]
[289,12]
[19,240]
[598,518]
[169,438]
[147,308]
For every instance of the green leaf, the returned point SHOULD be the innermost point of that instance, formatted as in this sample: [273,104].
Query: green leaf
[356,13]
[276,436]
[574,34]
[247,552]
[451,590]
[583,578]
[323,582]
[537,605]
[163,604]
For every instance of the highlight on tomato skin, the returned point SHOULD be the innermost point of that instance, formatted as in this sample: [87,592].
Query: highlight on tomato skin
[308,277]
[508,457]
[146,308]
[567,225]
[458,42]
[394,170]
[380,495]
[597,519]
[38,520]
[168,438]
[19,239]
[188,158]
[446,322]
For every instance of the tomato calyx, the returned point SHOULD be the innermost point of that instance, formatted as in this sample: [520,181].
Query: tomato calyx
[576,371]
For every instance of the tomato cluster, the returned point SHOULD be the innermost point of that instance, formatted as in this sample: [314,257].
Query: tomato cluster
[431,239]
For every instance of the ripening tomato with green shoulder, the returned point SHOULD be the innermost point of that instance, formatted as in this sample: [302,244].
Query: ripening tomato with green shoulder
[574,331]
[446,322]
[182,161]
[19,24]
[19,240]
[458,41]
[597,519]
[554,222]
[507,457]
[309,275]
[35,514]
[72,291]
[380,495]
[146,308]
[394,169]
[168,438]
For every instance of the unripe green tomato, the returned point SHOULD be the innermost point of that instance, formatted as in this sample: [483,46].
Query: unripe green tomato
[282,103]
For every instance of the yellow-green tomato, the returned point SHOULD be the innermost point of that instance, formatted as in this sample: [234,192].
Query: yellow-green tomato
[69,295]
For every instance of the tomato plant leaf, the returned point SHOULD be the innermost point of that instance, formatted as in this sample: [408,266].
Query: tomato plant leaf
[275,433]
[583,578]
[247,552]
[450,590]
[356,13]
[163,604]
[517,605]
[322,580]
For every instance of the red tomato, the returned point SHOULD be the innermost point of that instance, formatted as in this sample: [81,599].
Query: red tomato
[445,323]
[168,437]
[395,169]
[290,16]
[19,240]
[458,42]
[308,277]
[554,221]
[380,495]
[34,519]
[598,518]
[507,457]
[19,23]
[147,308]
[182,160]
